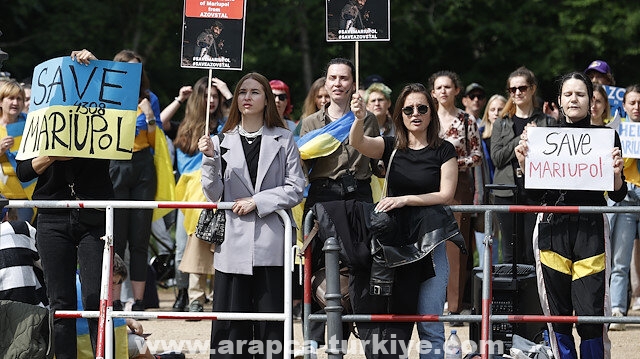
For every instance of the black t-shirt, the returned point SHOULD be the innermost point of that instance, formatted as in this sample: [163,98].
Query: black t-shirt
[519,124]
[415,171]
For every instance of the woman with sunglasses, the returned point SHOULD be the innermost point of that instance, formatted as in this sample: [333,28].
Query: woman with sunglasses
[459,128]
[283,102]
[521,109]
[418,153]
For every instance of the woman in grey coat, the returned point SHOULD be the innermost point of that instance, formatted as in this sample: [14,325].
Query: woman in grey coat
[262,174]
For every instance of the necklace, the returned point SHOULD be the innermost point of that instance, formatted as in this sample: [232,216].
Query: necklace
[249,136]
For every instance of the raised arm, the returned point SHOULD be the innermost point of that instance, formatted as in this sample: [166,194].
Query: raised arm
[372,147]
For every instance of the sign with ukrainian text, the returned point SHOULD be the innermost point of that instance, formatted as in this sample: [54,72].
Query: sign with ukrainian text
[569,158]
[629,133]
[82,110]
[358,20]
[213,34]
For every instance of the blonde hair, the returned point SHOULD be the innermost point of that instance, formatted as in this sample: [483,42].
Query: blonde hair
[11,88]
[488,126]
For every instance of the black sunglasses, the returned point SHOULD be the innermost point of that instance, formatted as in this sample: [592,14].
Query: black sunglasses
[422,109]
[520,88]
[281,96]
[478,96]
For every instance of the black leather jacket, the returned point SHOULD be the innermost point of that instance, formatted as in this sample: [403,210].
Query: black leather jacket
[419,230]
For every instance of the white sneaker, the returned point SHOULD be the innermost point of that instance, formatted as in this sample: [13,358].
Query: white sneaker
[616,312]
[636,304]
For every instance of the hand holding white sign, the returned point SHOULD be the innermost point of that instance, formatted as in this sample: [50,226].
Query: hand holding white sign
[569,158]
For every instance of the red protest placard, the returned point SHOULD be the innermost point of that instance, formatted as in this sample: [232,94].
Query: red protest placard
[217,9]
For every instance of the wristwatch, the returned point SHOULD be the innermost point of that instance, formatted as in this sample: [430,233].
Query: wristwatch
[151,121]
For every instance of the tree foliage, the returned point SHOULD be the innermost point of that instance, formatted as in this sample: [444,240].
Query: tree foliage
[483,41]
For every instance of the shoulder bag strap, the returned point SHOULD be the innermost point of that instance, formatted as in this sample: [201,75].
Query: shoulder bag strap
[386,176]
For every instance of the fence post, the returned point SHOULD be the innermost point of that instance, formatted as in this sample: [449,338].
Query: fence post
[333,297]
[306,307]
[104,346]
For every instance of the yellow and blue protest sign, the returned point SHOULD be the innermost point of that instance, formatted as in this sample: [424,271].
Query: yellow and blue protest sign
[82,110]
[323,141]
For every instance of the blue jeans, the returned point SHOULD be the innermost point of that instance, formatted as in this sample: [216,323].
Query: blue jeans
[433,292]
[624,229]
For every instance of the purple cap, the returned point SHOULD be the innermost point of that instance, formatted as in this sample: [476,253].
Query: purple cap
[600,66]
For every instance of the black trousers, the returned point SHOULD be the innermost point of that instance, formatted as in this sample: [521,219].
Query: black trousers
[64,244]
[134,180]
[382,340]
[573,262]
[261,292]
[325,191]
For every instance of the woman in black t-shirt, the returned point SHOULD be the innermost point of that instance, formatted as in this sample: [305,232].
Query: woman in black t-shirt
[423,172]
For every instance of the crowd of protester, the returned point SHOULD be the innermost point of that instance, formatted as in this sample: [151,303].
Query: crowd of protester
[423,151]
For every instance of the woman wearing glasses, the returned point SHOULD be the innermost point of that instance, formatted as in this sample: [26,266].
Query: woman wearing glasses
[418,153]
[459,128]
[521,109]
[283,102]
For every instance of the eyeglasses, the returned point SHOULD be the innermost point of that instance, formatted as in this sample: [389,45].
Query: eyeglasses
[478,96]
[422,109]
[519,88]
[281,96]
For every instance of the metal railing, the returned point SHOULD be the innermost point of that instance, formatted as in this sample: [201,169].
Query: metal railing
[486,318]
[104,348]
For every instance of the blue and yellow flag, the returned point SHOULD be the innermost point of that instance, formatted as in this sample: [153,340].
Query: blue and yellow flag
[189,189]
[323,141]
[166,188]
[13,188]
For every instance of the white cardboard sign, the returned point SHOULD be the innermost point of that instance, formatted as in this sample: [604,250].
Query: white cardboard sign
[569,158]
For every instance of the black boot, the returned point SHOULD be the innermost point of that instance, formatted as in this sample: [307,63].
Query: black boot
[182,300]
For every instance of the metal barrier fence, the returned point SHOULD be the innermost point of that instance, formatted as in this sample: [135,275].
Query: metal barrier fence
[104,347]
[334,318]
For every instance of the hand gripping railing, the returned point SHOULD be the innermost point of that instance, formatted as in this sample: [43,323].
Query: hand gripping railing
[334,323]
[104,347]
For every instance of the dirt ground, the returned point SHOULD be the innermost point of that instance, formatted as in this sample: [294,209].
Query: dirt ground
[194,337]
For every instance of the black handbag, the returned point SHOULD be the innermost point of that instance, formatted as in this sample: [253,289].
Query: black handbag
[210,227]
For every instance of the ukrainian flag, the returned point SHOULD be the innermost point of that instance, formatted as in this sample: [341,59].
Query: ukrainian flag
[323,141]
[13,188]
[121,337]
[164,174]
[189,187]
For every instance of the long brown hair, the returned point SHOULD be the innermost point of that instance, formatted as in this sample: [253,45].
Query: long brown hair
[270,115]
[309,106]
[433,129]
[192,126]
